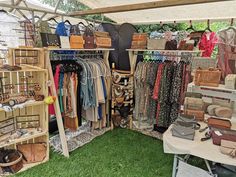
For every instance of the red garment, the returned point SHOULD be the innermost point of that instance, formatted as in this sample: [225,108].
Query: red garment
[158,82]
[207,43]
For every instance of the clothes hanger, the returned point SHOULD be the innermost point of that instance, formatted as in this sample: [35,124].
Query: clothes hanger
[67,21]
[162,29]
[4,11]
[174,28]
[191,27]
[208,27]
[53,19]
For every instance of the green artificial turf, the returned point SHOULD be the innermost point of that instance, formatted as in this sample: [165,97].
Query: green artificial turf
[118,153]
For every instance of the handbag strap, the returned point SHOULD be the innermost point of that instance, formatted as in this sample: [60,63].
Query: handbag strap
[14,162]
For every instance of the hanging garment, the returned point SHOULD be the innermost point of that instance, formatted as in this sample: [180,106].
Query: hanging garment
[207,43]
[226,51]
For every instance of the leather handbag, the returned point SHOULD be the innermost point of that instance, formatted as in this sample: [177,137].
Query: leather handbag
[171,45]
[139,41]
[156,44]
[33,152]
[218,123]
[223,112]
[50,40]
[10,160]
[218,135]
[193,103]
[183,132]
[71,123]
[230,81]
[102,39]
[210,77]
[228,148]
[199,114]
[76,42]
[184,45]
[89,39]
[187,121]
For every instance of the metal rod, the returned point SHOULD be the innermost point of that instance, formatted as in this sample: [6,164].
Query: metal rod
[57,5]
[22,14]
[41,18]
[14,5]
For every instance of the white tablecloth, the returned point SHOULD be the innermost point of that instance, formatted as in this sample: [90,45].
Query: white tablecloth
[206,149]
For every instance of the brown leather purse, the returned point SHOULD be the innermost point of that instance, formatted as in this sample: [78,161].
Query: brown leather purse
[139,41]
[102,39]
[71,123]
[222,134]
[76,42]
[218,123]
[33,152]
[89,39]
[210,77]
[199,114]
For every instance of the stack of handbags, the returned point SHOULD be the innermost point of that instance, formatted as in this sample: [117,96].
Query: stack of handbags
[219,111]
[194,105]
[184,127]
[208,77]
[102,39]
[139,41]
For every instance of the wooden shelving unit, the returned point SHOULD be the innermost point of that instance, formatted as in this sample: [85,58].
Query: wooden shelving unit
[26,55]
[104,52]
[21,82]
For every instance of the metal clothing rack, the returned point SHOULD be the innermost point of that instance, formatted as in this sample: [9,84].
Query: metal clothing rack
[104,52]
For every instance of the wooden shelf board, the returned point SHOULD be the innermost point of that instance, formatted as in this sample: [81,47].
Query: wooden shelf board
[220,88]
[26,48]
[97,49]
[149,50]
[25,139]
[36,103]
[27,166]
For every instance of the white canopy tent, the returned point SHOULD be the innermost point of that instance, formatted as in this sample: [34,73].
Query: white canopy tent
[198,12]
[36,4]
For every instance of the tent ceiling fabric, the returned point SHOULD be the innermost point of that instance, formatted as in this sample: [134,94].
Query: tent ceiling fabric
[198,12]
[38,5]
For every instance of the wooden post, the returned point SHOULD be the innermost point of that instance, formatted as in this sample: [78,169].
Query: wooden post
[57,107]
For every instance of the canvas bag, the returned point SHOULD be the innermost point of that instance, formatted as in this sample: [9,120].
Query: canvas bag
[156,44]
[102,39]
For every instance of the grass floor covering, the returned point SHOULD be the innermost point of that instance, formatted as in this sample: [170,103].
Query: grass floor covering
[118,153]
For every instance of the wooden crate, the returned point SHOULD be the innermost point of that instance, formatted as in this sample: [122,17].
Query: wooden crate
[32,114]
[29,56]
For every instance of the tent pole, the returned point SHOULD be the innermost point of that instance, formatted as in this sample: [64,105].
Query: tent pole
[57,5]
[15,4]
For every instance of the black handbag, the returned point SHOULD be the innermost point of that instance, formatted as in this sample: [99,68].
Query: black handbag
[50,40]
